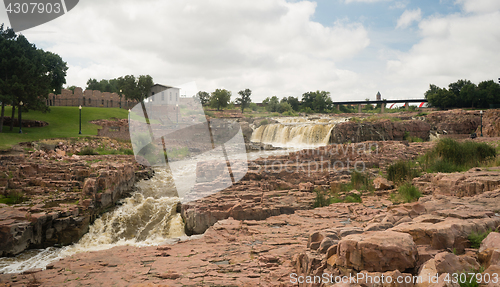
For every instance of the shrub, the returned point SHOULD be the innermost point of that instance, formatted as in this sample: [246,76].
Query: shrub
[87,151]
[253,106]
[475,238]
[12,198]
[408,192]
[451,156]
[361,181]
[470,277]
[402,171]
[320,199]
[264,122]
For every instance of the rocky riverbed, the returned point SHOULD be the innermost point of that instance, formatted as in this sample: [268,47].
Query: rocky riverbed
[263,231]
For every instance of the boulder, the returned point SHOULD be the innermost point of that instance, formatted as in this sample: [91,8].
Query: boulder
[377,251]
[381,183]
[450,263]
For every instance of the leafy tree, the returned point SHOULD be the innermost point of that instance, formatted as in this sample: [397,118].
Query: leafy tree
[220,98]
[128,85]
[28,74]
[488,94]
[144,84]
[318,101]
[71,88]
[244,99]
[456,88]
[271,104]
[284,107]
[293,101]
[203,97]
[93,84]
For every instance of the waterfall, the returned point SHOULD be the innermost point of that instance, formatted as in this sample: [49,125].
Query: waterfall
[296,132]
[148,217]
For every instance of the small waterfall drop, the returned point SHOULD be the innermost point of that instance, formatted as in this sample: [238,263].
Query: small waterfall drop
[296,132]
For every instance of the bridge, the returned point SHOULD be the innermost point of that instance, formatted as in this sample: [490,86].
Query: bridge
[382,102]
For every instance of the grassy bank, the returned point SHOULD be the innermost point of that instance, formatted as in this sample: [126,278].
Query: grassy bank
[63,123]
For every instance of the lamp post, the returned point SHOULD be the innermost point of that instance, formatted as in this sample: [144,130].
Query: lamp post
[80,108]
[120,98]
[177,111]
[481,112]
[129,118]
[20,117]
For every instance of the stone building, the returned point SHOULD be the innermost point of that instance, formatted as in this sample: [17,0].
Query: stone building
[89,98]
[379,96]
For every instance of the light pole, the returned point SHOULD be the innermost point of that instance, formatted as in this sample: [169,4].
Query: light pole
[129,118]
[120,98]
[177,111]
[20,117]
[481,112]
[80,108]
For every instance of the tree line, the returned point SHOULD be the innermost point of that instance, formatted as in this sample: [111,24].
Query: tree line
[129,86]
[464,94]
[311,102]
[27,75]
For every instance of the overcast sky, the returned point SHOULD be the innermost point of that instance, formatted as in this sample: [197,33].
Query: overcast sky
[351,48]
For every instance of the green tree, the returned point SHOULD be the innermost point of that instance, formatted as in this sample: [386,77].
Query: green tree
[93,84]
[7,50]
[455,88]
[488,94]
[244,99]
[318,101]
[220,98]
[128,85]
[203,97]
[144,84]
[284,107]
[271,104]
[28,74]
[294,102]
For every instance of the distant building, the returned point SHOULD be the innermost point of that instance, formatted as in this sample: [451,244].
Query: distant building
[164,95]
[89,98]
[379,96]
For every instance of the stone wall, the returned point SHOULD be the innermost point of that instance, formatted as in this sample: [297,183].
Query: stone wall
[89,98]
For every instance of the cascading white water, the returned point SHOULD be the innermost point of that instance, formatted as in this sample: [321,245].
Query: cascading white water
[146,218]
[296,132]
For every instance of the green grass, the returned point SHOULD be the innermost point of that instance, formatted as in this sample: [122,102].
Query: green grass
[402,171]
[475,238]
[13,198]
[470,277]
[407,193]
[452,156]
[63,123]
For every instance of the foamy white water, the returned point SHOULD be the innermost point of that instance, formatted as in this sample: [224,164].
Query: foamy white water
[297,132]
[147,218]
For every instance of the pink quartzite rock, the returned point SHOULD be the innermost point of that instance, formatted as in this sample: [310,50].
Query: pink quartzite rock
[377,251]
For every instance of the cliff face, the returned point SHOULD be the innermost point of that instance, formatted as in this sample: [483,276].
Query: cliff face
[454,121]
[61,195]
[379,130]
[491,123]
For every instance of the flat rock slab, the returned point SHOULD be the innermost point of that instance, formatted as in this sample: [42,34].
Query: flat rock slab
[377,251]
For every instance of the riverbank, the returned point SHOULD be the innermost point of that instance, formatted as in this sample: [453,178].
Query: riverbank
[264,229]
[50,198]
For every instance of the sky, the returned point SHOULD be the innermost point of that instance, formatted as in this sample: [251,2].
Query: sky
[350,48]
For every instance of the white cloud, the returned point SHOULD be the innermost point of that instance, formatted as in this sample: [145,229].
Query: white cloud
[408,17]
[366,1]
[270,46]
[480,5]
[452,47]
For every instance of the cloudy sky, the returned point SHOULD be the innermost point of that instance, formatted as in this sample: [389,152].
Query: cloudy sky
[351,48]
